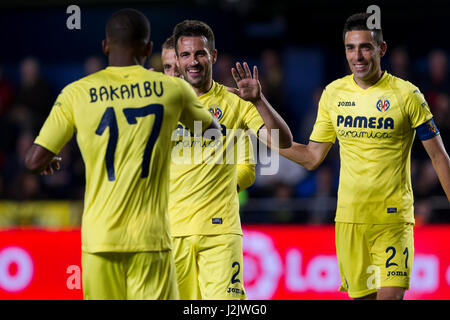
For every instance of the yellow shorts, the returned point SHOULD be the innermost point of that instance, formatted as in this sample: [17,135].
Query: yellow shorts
[371,256]
[129,276]
[209,267]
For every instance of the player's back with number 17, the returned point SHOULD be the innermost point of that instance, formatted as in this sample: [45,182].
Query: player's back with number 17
[128,123]
[123,118]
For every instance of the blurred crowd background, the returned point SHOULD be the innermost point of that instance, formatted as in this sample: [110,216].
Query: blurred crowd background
[298,50]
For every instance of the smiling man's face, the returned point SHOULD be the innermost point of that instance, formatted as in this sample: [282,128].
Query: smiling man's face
[363,55]
[195,60]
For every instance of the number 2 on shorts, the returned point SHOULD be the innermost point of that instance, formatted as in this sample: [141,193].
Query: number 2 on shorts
[390,264]
[233,278]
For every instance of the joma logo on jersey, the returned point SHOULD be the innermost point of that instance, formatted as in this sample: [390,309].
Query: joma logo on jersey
[216,111]
[383,105]
[363,122]
[397,273]
[346,104]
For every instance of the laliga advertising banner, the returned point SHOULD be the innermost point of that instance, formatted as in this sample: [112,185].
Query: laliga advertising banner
[299,262]
[280,262]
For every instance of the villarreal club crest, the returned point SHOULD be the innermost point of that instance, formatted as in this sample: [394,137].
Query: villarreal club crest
[216,111]
[383,104]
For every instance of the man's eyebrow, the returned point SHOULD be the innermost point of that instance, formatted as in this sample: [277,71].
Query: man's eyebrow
[360,44]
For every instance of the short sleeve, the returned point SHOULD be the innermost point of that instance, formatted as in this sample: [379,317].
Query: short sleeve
[417,108]
[59,126]
[323,130]
[245,162]
[193,109]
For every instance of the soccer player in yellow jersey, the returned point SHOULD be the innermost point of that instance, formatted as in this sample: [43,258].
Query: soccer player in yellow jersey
[245,161]
[123,117]
[169,58]
[203,202]
[375,116]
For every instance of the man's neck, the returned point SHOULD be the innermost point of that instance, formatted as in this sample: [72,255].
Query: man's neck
[367,83]
[120,59]
[203,89]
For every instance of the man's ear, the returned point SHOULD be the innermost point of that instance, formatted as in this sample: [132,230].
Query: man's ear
[105,47]
[383,48]
[214,56]
[148,49]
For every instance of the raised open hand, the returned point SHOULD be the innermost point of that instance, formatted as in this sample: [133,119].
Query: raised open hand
[248,85]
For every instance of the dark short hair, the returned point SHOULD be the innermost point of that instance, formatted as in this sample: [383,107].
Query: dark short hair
[128,27]
[358,21]
[194,28]
[169,43]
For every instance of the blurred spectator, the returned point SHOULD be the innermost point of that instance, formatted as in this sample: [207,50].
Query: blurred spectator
[323,202]
[436,89]
[271,77]
[282,197]
[93,64]
[34,98]
[437,86]
[59,185]
[156,62]
[400,64]
[222,70]
[288,173]
[21,185]
[305,125]
[6,93]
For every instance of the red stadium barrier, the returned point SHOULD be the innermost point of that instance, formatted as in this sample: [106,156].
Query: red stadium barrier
[292,262]
[280,262]
[40,264]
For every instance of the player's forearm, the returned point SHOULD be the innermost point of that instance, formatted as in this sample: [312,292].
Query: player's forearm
[441,164]
[299,154]
[440,160]
[273,121]
[38,159]
[309,156]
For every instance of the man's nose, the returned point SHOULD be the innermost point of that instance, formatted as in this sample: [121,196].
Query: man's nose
[193,61]
[359,55]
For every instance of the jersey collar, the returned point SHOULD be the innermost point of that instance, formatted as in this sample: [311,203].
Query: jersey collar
[375,85]
[126,68]
[211,91]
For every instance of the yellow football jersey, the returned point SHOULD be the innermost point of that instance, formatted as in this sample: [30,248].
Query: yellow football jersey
[203,197]
[123,118]
[376,129]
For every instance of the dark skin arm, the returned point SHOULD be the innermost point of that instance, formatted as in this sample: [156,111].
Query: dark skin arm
[42,161]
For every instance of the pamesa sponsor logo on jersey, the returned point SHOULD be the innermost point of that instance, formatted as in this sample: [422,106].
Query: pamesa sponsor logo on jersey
[362,122]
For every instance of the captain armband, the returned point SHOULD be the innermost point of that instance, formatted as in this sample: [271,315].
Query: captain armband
[427,130]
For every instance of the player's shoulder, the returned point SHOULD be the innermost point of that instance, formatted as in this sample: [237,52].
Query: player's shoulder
[85,81]
[339,84]
[403,85]
[175,81]
[221,92]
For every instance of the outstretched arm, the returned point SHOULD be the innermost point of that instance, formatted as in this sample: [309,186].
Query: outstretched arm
[309,156]
[41,160]
[249,89]
[440,160]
